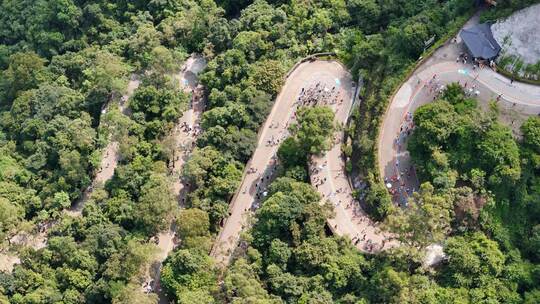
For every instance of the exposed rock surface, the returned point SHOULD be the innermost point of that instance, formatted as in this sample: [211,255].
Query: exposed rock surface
[523,30]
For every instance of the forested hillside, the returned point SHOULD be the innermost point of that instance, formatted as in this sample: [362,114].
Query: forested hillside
[62,62]
[490,243]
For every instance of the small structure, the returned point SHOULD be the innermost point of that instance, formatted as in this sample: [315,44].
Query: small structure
[480,42]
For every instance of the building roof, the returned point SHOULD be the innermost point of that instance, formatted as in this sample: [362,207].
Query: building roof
[480,42]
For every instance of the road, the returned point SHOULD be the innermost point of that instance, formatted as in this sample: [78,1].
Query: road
[330,178]
[517,102]
[517,99]
[348,221]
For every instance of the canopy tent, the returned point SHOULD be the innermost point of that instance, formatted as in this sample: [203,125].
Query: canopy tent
[480,42]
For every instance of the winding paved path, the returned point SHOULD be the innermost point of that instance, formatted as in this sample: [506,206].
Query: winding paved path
[517,102]
[348,221]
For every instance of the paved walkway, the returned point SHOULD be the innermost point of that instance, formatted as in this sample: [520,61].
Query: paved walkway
[328,175]
[261,168]
[262,164]
[350,219]
[516,101]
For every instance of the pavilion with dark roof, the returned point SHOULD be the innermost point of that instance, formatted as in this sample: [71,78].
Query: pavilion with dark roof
[480,42]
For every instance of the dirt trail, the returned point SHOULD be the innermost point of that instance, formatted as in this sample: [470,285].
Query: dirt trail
[185,133]
[110,156]
[108,164]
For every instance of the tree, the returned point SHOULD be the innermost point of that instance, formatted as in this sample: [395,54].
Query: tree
[359,51]
[232,114]
[531,141]
[531,133]
[365,13]
[104,72]
[242,285]
[192,222]
[410,38]
[215,177]
[130,262]
[228,68]
[156,205]
[238,143]
[267,76]
[424,222]
[471,258]
[25,71]
[60,201]
[98,72]
[291,213]
[188,271]
[290,153]
[453,93]
[252,44]
[159,107]
[499,152]
[162,61]
[532,297]
[435,122]
[143,43]
[279,253]
[314,129]
[132,293]
[191,26]
[48,27]
[11,217]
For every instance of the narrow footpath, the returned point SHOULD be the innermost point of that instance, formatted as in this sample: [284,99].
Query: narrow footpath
[108,164]
[110,155]
[185,134]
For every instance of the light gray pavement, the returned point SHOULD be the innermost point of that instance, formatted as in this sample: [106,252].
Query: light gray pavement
[518,101]
[522,29]
[330,177]
[263,160]
[348,221]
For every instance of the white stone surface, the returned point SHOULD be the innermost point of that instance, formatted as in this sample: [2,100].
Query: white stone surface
[434,255]
[523,29]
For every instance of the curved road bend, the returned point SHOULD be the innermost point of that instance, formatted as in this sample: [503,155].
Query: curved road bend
[350,219]
[518,101]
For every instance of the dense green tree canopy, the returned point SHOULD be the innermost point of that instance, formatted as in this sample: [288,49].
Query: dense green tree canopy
[62,62]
